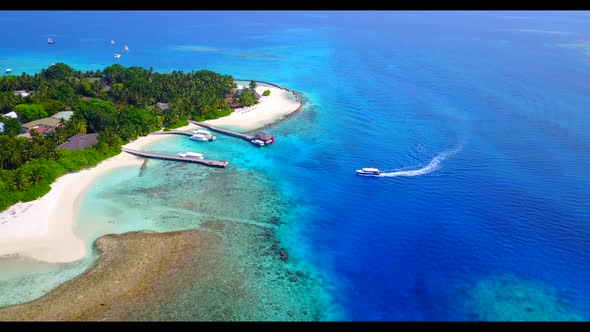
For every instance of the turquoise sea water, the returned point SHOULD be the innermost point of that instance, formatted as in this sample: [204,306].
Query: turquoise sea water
[478,118]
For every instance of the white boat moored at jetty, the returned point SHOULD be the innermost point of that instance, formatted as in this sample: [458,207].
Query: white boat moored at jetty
[117,55]
[258,142]
[368,171]
[203,137]
[191,155]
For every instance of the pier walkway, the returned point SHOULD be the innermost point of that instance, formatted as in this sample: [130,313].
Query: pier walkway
[223,131]
[172,132]
[212,163]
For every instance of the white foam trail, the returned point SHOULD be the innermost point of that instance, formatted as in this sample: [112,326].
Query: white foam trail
[432,166]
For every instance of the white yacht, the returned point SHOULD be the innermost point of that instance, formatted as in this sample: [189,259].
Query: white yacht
[117,55]
[8,70]
[203,137]
[257,142]
[191,155]
[125,48]
[368,171]
[50,41]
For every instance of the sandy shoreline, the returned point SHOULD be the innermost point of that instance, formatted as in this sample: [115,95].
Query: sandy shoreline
[271,108]
[44,229]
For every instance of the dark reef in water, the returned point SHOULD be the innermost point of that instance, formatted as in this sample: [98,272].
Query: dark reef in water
[186,275]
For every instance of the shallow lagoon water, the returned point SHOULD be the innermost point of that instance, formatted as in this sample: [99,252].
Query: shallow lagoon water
[390,90]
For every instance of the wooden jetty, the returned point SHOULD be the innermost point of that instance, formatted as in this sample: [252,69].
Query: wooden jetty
[265,138]
[223,131]
[212,163]
[172,132]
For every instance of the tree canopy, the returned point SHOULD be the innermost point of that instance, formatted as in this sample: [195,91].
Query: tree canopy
[30,112]
[118,103]
[11,126]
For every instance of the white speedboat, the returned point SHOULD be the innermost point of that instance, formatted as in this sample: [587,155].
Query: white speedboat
[117,56]
[8,70]
[203,137]
[50,41]
[191,155]
[368,171]
[125,48]
[257,142]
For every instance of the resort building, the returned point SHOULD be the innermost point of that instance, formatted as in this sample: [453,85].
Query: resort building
[267,139]
[163,106]
[65,115]
[80,142]
[22,93]
[11,115]
[41,126]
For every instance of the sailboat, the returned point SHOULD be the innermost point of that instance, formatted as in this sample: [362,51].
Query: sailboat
[50,41]
[125,48]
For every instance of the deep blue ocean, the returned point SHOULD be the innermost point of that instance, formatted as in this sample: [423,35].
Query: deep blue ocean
[490,110]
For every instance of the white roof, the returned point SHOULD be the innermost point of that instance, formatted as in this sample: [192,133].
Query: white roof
[66,115]
[11,115]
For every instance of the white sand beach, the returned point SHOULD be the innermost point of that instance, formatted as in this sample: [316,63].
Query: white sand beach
[270,109]
[44,229]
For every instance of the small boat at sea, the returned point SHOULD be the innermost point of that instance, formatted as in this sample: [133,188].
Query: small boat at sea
[112,42]
[191,155]
[257,142]
[50,41]
[8,70]
[203,137]
[125,48]
[368,171]
[117,56]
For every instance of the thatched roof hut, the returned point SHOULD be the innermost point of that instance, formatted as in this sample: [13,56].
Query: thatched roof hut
[267,139]
[80,142]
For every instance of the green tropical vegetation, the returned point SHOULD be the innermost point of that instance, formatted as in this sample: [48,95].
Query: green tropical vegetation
[244,98]
[118,103]
[266,93]
[252,85]
[30,112]
[11,126]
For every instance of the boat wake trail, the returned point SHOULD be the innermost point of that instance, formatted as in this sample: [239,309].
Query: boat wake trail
[432,166]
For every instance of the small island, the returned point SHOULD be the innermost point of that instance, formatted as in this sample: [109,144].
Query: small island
[58,125]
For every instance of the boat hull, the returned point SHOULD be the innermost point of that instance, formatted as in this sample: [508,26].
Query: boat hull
[367,174]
